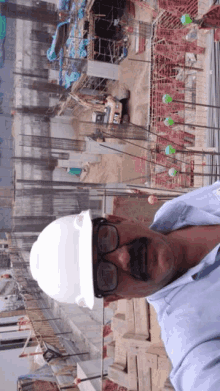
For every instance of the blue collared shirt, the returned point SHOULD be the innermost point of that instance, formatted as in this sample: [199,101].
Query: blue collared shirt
[188,309]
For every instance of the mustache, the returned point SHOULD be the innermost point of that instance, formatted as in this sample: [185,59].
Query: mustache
[138,258]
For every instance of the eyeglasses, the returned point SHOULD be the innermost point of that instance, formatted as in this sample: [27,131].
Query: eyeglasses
[105,241]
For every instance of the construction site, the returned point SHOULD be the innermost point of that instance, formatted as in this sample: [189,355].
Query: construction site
[114,110]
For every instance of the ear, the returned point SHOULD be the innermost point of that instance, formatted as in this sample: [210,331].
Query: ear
[114,219]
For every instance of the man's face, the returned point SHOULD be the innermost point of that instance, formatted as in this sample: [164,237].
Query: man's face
[159,263]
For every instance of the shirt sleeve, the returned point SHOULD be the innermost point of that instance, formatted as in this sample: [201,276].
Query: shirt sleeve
[200,369]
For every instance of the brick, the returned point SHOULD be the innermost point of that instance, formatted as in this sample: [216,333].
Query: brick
[118,376]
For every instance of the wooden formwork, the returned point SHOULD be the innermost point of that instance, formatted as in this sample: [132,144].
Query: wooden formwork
[140,359]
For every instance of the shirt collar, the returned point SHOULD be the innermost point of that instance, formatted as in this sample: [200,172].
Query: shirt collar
[176,216]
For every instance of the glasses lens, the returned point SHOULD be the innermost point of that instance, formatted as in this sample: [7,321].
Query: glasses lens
[106,276]
[107,238]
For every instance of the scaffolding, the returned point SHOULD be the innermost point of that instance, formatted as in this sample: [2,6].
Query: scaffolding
[174,71]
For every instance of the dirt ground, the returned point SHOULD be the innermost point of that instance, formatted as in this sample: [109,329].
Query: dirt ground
[135,76]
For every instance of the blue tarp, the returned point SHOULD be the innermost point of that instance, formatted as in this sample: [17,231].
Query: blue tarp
[61,67]
[69,79]
[2,37]
[82,52]
[82,9]
[72,75]
[44,373]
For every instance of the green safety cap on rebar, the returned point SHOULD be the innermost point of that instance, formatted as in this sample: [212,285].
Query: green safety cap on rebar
[169,150]
[167,98]
[168,121]
[172,172]
[185,19]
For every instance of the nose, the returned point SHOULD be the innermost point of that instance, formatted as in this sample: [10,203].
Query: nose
[120,257]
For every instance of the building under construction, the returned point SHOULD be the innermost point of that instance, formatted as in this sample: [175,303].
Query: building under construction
[45,147]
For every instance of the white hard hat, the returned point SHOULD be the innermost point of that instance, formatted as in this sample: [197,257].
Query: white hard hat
[61,260]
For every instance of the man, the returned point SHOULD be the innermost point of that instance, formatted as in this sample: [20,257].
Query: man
[174,263]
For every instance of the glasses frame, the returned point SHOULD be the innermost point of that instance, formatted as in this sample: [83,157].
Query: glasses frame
[97,223]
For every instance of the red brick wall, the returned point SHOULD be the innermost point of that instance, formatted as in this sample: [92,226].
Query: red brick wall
[135,208]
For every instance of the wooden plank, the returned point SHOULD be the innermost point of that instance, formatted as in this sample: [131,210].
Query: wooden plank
[132,373]
[119,367]
[118,376]
[130,326]
[164,364]
[155,331]
[151,360]
[141,317]
[157,349]
[168,385]
[134,340]
[120,353]
[144,374]
[65,380]
[122,305]
[118,325]
[159,381]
